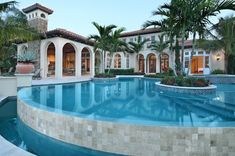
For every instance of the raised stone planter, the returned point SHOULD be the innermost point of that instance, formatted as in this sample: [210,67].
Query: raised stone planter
[186,90]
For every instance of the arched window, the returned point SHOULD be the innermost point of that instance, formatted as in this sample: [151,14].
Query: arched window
[43,16]
[152,63]
[164,62]
[117,61]
[141,63]
[127,61]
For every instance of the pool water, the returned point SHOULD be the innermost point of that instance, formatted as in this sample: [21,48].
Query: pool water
[19,134]
[135,101]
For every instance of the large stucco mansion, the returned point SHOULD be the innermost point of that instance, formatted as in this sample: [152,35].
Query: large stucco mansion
[62,53]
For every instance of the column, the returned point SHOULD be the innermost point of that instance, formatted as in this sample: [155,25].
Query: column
[59,59]
[78,61]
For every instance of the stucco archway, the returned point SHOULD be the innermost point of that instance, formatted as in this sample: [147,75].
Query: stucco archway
[69,60]
[164,63]
[86,63]
[50,63]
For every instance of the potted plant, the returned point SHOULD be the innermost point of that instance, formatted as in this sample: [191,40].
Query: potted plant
[25,63]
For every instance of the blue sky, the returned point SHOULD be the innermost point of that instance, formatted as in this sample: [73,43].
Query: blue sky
[77,15]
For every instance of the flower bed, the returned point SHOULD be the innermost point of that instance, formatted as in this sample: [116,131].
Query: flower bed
[185,81]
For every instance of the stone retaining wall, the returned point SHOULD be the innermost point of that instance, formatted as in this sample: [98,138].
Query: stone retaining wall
[129,139]
[186,90]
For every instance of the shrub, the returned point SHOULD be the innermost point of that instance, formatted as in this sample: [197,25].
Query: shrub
[217,71]
[121,71]
[169,72]
[104,75]
[185,81]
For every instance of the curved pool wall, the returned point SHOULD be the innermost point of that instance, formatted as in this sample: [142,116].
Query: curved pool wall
[128,139]
[187,90]
[42,145]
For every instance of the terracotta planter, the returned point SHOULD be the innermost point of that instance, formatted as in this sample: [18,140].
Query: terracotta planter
[24,68]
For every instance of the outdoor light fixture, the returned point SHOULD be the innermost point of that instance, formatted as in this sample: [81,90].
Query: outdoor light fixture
[218,57]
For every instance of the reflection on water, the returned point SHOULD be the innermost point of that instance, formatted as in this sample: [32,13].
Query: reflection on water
[136,100]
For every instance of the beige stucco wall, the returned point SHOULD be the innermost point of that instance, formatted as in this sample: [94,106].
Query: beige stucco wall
[8,86]
[217,64]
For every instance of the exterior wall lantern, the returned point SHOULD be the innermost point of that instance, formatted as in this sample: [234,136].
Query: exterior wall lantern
[218,57]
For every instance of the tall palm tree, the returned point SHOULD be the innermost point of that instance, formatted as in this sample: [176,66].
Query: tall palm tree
[184,16]
[6,5]
[223,40]
[160,46]
[200,19]
[101,40]
[115,44]
[136,47]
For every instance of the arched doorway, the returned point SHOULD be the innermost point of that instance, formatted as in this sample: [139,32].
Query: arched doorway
[51,60]
[152,63]
[117,61]
[164,62]
[141,63]
[86,61]
[69,65]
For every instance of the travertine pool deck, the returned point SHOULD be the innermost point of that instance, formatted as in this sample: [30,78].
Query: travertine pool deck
[48,81]
[8,149]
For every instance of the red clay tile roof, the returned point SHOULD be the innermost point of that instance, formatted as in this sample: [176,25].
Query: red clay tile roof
[37,6]
[141,32]
[68,35]
[187,43]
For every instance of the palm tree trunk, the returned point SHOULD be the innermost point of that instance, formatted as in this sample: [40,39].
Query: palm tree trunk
[182,48]
[226,63]
[192,53]
[110,62]
[138,68]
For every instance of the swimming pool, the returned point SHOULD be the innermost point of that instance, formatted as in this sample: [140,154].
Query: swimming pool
[130,116]
[135,101]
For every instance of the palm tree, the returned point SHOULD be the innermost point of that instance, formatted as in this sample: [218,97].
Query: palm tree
[200,19]
[136,47]
[184,16]
[102,40]
[161,45]
[223,40]
[6,5]
[14,28]
[115,44]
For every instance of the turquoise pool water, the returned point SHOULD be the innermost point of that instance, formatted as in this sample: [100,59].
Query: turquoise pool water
[135,101]
[19,134]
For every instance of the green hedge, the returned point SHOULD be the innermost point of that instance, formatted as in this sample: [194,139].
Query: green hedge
[217,71]
[122,72]
[185,81]
[169,72]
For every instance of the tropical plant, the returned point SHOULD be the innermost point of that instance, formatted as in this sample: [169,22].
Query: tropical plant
[223,40]
[136,47]
[27,57]
[14,29]
[102,40]
[6,5]
[176,17]
[115,44]
[161,45]
[177,58]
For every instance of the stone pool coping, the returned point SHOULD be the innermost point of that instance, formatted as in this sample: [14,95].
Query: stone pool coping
[189,90]
[9,149]
[219,78]
[129,139]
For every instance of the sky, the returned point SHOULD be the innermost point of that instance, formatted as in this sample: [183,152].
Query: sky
[78,15]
